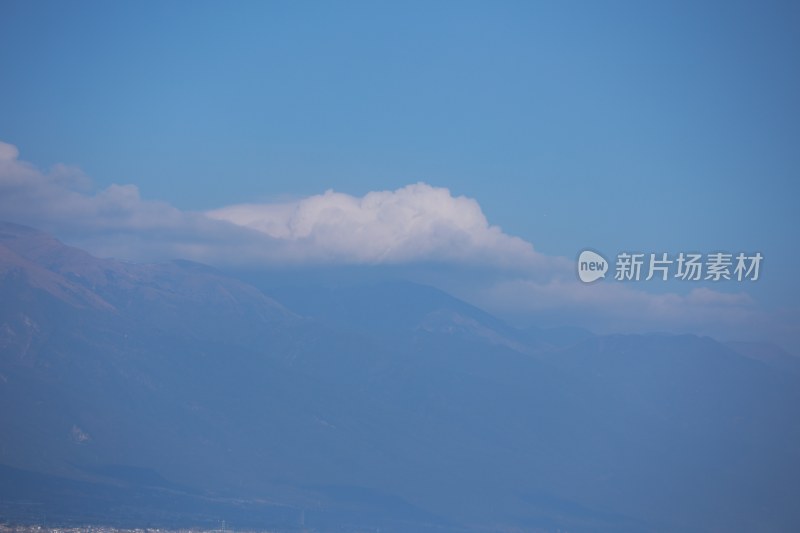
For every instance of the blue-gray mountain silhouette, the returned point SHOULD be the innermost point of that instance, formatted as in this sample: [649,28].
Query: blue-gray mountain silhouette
[173,394]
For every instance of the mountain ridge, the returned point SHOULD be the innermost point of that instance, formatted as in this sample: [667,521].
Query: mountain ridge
[389,406]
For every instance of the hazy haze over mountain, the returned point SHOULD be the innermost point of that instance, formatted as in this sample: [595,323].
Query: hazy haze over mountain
[388,405]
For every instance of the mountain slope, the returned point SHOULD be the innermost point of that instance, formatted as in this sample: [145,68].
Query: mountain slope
[179,395]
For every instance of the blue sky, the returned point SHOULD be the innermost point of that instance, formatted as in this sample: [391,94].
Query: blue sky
[613,125]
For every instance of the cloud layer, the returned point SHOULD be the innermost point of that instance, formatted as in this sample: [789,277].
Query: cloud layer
[416,224]
[619,307]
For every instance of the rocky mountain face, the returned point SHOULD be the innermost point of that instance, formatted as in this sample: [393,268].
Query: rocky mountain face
[173,394]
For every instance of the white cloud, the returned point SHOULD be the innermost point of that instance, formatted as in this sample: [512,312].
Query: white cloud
[620,307]
[8,152]
[114,221]
[415,223]
[58,199]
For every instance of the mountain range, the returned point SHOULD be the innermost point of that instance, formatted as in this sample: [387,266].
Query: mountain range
[175,394]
